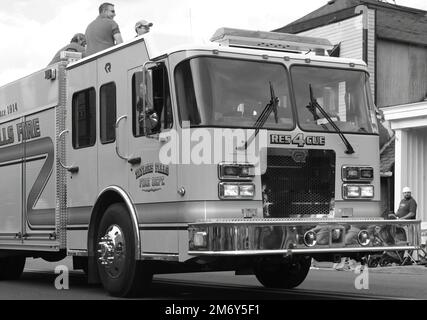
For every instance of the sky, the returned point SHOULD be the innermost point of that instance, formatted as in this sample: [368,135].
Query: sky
[34,30]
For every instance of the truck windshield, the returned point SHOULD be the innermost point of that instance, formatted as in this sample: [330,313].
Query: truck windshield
[223,92]
[343,94]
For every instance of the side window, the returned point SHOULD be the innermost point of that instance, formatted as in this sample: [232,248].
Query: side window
[186,94]
[157,115]
[137,112]
[108,113]
[84,118]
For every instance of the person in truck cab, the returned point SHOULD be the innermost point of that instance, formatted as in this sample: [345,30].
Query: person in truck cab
[149,118]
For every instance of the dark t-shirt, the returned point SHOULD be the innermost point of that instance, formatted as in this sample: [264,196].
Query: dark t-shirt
[100,34]
[73,46]
[407,206]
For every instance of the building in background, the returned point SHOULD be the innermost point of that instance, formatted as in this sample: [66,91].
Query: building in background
[392,40]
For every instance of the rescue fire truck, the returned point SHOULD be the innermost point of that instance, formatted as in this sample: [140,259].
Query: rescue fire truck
[253,153]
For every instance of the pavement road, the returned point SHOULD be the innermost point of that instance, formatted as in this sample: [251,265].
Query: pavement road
[409,282]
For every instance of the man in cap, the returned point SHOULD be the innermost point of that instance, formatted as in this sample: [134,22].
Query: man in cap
[407,207]
[103,32]
[77,44]
[142,27]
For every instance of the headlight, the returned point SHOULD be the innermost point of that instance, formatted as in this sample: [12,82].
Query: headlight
[236,171]
[247,190]
[367,191]
[351,192]
[358,191]
[229,190]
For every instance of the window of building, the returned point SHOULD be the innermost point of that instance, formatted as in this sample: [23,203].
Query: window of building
[84,118]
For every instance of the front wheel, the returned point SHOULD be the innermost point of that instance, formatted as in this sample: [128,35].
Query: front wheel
[121,274]
[12,267]
[282,272]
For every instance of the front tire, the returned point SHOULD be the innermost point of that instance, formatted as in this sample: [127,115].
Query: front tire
[11,268]
[282,272]
[121,274]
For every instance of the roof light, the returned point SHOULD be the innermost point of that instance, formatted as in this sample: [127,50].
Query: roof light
[70,56]
[270,40]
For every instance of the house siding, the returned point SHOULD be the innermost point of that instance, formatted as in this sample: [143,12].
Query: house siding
[349,33]
[372,66]
[411,167]
[403,76]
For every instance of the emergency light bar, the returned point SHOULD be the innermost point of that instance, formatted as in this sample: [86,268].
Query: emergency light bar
[270,40]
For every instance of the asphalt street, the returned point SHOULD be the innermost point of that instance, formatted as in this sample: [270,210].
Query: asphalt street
[406,282]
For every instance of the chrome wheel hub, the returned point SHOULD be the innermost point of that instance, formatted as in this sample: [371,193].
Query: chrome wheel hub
[112,251]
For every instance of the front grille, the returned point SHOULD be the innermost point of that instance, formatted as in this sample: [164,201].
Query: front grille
[298,182]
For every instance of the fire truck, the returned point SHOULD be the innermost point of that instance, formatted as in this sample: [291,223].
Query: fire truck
[254,153]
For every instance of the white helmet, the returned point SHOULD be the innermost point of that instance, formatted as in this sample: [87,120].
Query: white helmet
[406,189]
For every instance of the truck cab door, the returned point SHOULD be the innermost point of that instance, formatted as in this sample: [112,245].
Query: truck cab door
[152,180]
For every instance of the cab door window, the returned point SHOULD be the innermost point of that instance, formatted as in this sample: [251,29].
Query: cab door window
[156,114]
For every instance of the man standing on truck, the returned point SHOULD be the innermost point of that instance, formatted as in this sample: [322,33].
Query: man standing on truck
[103,32]
[77,44]
[142,27]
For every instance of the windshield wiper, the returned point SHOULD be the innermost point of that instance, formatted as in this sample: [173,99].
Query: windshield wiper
[312,108]
[262,119]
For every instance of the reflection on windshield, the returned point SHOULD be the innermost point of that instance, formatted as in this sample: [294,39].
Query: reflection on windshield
[341,93]
[231,93]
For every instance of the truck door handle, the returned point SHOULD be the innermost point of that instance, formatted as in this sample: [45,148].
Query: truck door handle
[135,161]
[130,160]
[72,168]
[117,138]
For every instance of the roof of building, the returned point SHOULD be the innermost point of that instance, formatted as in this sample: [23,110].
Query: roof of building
[387,156]
[393,22]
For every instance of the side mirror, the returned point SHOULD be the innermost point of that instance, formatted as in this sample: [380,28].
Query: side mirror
[150,79]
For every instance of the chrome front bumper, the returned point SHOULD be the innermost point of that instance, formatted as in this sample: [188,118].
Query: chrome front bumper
[286,236]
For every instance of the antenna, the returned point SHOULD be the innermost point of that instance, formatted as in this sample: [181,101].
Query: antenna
[191,23]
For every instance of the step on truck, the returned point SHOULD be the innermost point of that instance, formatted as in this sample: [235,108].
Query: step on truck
[254,153]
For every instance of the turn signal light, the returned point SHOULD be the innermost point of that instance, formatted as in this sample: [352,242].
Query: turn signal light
[200,239]
[236,171]
[357,173]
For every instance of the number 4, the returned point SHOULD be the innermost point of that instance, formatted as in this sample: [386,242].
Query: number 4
[299,140]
